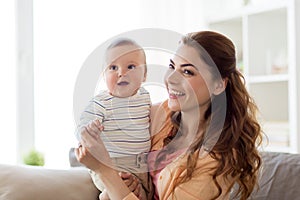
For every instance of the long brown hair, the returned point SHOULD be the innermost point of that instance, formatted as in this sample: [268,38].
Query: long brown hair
[236,148]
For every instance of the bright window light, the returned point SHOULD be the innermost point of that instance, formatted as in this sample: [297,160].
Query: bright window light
[8,82]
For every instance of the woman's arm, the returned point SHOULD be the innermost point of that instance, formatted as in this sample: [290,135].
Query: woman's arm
[114,185]
[93,154]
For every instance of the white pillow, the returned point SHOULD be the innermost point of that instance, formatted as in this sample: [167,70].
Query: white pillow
[38,183]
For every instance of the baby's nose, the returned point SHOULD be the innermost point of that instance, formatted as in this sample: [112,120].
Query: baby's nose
[122,72]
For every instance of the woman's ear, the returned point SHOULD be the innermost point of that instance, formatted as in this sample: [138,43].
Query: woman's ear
[220,86]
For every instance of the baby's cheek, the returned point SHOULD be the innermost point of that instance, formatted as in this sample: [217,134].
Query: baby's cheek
[111,83]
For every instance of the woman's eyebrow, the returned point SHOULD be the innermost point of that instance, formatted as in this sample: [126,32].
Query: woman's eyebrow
[183,65]
[188,64]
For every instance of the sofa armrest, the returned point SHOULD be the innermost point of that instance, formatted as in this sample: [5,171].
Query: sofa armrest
[35,183]
[72,159]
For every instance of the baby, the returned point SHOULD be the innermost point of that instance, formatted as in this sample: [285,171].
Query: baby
[123,109]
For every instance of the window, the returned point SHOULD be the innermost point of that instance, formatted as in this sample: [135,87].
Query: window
[8,83]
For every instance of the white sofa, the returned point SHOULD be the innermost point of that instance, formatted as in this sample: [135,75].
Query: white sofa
[280,180]
[38,183]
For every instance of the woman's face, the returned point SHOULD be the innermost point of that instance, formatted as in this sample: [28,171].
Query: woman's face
[188,81]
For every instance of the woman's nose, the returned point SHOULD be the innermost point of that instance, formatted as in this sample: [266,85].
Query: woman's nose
[172,77]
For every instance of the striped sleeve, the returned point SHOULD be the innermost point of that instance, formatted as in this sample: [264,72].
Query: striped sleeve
[94,110]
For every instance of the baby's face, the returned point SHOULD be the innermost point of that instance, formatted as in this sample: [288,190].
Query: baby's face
[125,70]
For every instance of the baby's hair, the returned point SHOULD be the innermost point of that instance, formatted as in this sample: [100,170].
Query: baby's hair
[121,42]
[126,41]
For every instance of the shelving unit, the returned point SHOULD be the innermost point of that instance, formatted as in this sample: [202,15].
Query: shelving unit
[266,37]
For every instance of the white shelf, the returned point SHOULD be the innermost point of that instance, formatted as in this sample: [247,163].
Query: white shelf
[247,10]
[266,6]
[268,78]
[265,36]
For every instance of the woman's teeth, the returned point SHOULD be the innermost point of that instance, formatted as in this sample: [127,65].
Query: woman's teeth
[176,93]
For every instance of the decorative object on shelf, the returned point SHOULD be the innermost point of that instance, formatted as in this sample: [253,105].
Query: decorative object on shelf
[34,158]
[276,62]
[280,65]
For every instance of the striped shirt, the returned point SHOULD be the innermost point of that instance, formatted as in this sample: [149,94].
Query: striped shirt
[125,121]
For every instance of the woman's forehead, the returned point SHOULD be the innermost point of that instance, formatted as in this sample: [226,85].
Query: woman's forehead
[188,55]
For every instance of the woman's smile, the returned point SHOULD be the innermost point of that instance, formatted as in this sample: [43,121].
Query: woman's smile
[174,94]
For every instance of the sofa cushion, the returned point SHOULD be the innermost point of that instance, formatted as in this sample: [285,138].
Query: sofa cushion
[279,177]
[36,183]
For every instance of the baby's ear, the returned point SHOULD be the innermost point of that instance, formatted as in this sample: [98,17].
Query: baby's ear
[220,86]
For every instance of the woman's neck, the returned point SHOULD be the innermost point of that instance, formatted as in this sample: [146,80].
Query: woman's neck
[192,124]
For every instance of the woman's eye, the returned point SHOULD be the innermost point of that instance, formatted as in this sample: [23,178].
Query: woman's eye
[131,66]
[188,72]
[113,67]
[171,66]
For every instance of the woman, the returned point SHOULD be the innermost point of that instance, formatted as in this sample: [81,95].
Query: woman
[205,136]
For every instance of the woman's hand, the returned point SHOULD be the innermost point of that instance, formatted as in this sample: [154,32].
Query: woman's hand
[92,152]
[134,185]
[95,128]
[132,182]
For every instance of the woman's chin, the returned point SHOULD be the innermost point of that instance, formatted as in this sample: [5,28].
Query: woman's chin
[174,105]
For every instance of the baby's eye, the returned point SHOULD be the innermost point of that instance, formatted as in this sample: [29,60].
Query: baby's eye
[171,66]
[131,66]
[188,72]
[113,67]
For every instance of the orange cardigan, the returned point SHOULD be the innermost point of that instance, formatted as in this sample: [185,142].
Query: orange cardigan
[200,187]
